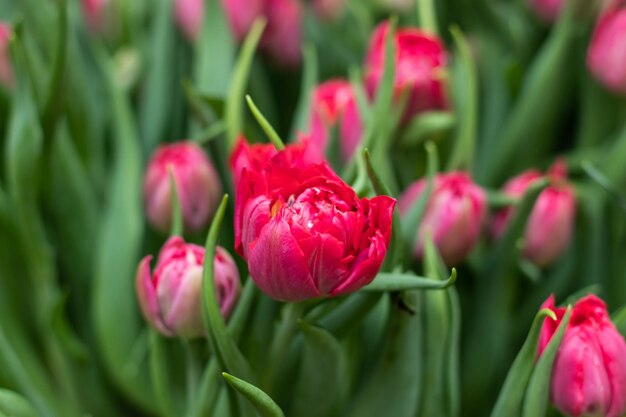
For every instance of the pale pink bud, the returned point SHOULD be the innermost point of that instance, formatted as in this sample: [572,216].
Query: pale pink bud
[197,184]
[6,69]
[189,15]
[589,371]
[547,10]
[454,215]
[241,15]
[606,56]
[94,12]
[550,225]
[171,297]
[334,104]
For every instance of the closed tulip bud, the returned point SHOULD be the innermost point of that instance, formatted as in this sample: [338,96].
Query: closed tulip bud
[547,10]
[606,56]
[197,184]
[94,12]
[453,218]
[305,233]
[328,9]
[334,104]
[420,64]
[189,15]
[549,228]
[6,69]
[241,15]
[589,371]
[171,297]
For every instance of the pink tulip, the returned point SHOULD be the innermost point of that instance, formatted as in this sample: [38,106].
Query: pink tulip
[189,15]
[328,9]
[420,64]
[197,184]
[94,12]
[334,104]
[550,225]
[547,10]
[606,56]
[6,69]
[454,215]
[171,298]
[589,371]
[282,37]
[305,233]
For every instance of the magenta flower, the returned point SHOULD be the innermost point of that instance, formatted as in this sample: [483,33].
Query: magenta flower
[454,215]
[606,56]
[589,372]
[305,233]
[197,183]
[420,65]
[551,222]
[94,13]
[189,15]
[171,298]
[547,10]
[6,69]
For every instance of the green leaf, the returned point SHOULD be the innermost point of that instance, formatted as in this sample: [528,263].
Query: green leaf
[350,312]
[265,406]
[239,82]
[176,229]
[394,281]
[427,125]
[511,397]
[619,319]
[14,405]
[599,178]
[310,76]
[317,391]
[538,391]
[265,125]
[394,385]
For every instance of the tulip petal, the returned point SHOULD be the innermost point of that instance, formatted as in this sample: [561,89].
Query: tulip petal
[147,297]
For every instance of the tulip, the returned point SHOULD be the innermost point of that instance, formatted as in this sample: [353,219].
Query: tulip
[549,227]
[589,371]
[6,70]
[189,15]
[282,37]
[328,9]
[606,56]
[454,215]
[171,298]
[305,233]
[334,104]
[94,10]
[420,63]
[547,10]
[197,184]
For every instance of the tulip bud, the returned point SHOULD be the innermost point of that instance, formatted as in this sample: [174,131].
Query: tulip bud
[6,70]
[94,11]
[197,184]
[171,299]
[305,233]
[334,104]
[589,371]
[549,227]
[189,15]
[241,15]
[547,10]
[454,215]
[420,64]
[328,9]
[606,56]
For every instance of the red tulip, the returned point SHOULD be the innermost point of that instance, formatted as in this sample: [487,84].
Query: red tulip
[305,233]
[589,371]
[6,69]
[334,104]
[171,297]
[550,225]
[606,56]
[197,184]
[454,215]
[420,64]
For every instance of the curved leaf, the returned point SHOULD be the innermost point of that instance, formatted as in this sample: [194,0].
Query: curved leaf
[402,281]
[260,400]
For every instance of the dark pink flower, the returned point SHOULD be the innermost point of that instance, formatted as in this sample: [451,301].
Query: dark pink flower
[305,233]
[550,225]
[6,69]
[334,104]
[589,371]
[454,215]
[197,183]
[547,10]
[171,297]
[420,65]
[606,56]
[94,12]
[189,15]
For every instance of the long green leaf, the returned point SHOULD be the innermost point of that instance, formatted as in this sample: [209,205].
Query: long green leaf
[265,406]
[402,281]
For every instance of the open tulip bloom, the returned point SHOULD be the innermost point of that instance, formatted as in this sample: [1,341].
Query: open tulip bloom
[312,208]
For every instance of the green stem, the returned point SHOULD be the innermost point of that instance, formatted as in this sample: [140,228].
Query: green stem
[427,15]
[159,375]
[191,373]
